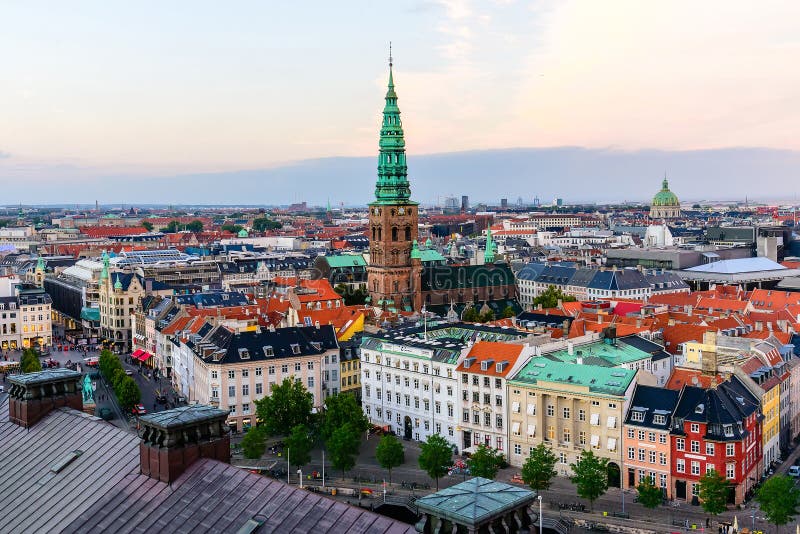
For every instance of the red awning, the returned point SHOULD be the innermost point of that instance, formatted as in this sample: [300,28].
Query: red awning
[143,357]
[137,353]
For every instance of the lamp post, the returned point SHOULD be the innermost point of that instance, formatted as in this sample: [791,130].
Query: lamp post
[541,519]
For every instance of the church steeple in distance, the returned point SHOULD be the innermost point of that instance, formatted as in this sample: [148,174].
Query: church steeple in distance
[392,185]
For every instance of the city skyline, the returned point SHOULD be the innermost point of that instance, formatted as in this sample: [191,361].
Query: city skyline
[114,95]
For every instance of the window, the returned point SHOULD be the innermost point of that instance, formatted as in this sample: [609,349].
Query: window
[680,444]
[581,415]
[487,419]
[695,446]
[297,367]
[551,433]
[611,422]
[517,448]
[595,419]
[285,368]
[582,437]
[232,392]
[651,436]
[710,449]
[728,430]
[680,465]
[295,349]
[565,413]
[310,381]
[245,390]
[566,436]
[695,468]
[642,454]
[245,373]
[259,371]
[246,408]
[730,471]
[486,382]
[631,433]
[449,410]
[652,457]
[550,410]
[695,427]
[465,416]
[310,366]
[271,370]
[637,416]
[231,375]
[730,449]
[659,419]
[214,375]
[662,438]
[662,458]
[631,453]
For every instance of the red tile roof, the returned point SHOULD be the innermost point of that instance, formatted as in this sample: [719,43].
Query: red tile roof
[492,350]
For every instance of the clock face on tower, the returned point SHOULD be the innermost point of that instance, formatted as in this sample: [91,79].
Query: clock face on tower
[401,211]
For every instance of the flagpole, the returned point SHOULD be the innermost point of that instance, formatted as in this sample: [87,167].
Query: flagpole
[323,468]
[288,470]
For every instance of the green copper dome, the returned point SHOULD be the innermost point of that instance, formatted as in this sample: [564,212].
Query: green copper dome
[242,233]
[665,197]
[392,186]
[415,253]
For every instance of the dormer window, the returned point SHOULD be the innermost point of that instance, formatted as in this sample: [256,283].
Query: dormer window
[268,351]
[244,354]
[637,416]
[317,345]
[295,348]
[700,408]
[727,430]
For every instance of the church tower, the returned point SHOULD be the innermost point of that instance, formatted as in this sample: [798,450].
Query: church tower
[393,276]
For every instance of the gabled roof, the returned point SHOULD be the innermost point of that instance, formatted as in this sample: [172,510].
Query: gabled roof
[651,401]
[496,352]
[102,489]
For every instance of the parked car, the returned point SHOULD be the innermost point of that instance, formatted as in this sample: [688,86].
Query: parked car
[128,372]
[794,471]
[105,414]
[139,409]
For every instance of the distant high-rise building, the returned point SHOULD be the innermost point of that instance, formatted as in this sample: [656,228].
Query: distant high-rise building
[559,202]
[464,203]
[504,203]
[537,202]
[451,204]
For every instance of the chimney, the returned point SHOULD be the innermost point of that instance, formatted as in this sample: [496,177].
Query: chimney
[173,440]
[570,348]
[34,395]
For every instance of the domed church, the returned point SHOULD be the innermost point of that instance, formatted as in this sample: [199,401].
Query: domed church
[665,204]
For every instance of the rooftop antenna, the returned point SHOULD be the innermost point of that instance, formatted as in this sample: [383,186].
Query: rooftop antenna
[390,53]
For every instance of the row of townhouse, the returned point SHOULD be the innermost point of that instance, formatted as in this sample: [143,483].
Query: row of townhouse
[511,390]
[585,283]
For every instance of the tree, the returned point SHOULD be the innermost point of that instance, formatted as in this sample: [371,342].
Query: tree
[29,362]
[288,405]
[172,227]
[779,500]
[590,476]
[254,443]
[713,492]
[549,298]
[471,315]
[435,457]
[390,453]
[109,364]
[342,448]
[509,312]
[299,444]
[195,226]
[649,495]
[128,393]
[117,377]
[539,469]
[232,228]
[488,316]
[342,409]
[485,462]
[263,223]
[147,226]
[352,297]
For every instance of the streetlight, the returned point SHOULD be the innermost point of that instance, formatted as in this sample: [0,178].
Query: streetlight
[541,519]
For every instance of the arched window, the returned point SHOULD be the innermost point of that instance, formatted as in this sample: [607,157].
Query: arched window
[374,233]
[379,233]
[393,212]
[408,233]
[394,232]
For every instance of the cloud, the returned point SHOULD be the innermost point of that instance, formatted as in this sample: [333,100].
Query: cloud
[4,155]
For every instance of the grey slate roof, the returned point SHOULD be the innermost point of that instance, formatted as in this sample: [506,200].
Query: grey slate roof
[102,490]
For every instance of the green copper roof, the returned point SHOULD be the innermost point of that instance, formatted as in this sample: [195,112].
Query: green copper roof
[475,501]
[118,284]
[599,380]
[392,186]
[415,254]
[40,264]
[346,260]
[430,254]
[665,197]
[242,233]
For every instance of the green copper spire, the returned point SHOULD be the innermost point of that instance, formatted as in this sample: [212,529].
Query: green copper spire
[117,284]
[415,254]
[104,272]
[488,256]
[392,186]
[40,264]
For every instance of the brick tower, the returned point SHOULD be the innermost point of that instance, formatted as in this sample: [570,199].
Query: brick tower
[393,278]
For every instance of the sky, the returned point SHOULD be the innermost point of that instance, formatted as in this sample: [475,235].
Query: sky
[110,95]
